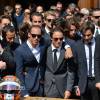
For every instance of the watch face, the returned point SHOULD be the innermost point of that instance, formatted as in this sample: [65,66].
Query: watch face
[8,96]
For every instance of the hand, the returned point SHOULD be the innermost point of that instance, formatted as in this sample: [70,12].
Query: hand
[67,94]
[98,86]
[27,98]
[68,53]
[2,65]
[77,91]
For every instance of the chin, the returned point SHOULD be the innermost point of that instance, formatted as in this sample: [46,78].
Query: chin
[57,46]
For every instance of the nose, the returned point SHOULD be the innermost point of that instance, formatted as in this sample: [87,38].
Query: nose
[12,40]
[86,37]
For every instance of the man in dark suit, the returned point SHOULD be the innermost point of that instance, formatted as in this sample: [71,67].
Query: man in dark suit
[30,62]
[59,75]
[2,63]
[86,63]
[7,49]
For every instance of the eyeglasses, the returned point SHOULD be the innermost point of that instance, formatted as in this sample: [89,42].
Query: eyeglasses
[96,17]
[56,39]
[27,12]
[35,35]
[72,29]
[50,20]
[37,21]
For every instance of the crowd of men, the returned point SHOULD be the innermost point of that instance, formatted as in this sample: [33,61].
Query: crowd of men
[54,53]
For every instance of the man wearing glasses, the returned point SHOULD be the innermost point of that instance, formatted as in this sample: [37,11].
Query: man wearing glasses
[30,62]
[59,74]
[49,16]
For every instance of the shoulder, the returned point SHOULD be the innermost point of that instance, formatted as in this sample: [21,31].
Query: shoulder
[79,42]
[21,47]
[98,38]
[49,48]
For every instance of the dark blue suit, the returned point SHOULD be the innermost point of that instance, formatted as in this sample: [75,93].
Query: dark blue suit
[28,70]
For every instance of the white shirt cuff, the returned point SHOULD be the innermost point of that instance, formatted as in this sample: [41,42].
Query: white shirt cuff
[26,95]
[67,46]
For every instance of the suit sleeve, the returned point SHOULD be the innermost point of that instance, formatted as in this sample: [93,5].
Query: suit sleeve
[8,57]
[19,71]
[97,60]
[71,74]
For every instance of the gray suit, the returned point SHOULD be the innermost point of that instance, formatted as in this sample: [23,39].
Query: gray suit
[62,78]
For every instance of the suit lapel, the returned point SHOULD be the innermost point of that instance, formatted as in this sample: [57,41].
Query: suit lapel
[83,56]
[50,58]
[61,57]
[82,46]
[29,52]
[42,51]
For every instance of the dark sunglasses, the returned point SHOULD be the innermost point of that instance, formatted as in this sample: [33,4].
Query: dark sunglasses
[50,20]
[37,21]
[96,17]
[72,29]
[27,12]
[56,39]
[35,35]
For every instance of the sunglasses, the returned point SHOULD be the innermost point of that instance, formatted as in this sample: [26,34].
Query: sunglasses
[50,20]
[72,29]
[37,21]
[35,35]
[96,17]
[56,39]
[27,12]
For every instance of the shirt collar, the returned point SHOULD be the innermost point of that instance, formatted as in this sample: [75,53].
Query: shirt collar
[58,49]
[47,29]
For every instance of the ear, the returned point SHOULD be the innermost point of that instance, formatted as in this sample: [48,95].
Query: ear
[29,35]
[51,39]
[44,21]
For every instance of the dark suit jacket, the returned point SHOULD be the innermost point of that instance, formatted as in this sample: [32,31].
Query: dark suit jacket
[72,44]
[82,65]
[97,59]
[8,57]
[26,62]
[63,76]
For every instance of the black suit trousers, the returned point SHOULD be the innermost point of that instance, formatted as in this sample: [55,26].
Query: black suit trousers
[91,92]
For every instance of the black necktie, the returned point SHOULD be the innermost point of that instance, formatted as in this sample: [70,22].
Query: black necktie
[55,59]
[90,59]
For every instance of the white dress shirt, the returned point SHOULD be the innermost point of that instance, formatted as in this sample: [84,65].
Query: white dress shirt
[47,30]
[35,51]
[58,52]
[87,56]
